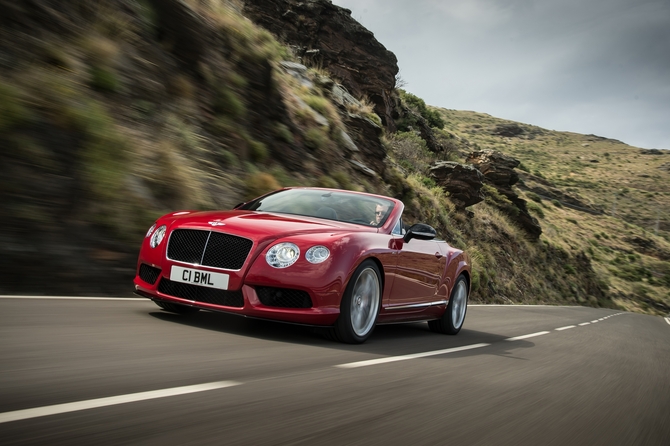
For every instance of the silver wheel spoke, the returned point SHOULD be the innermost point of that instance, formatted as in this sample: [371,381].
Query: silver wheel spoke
[365,300]
[459,305]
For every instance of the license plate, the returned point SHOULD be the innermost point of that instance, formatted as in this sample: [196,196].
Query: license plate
[197,277]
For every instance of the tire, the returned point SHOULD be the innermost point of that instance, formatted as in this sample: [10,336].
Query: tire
[452,320]
[360,305]
[176,308]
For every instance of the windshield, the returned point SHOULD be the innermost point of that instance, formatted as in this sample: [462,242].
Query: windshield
[331,205]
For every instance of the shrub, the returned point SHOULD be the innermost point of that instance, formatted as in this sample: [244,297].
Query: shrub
[343,180]
[536,209]
[260,183]
[228,103]
[315,139]
[414,102]
[283,133]
[557,203]
[257,151]
[533,196]
[104,79]
[326,181]
[12,111]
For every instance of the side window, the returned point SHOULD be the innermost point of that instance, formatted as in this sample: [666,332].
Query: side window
[398,229]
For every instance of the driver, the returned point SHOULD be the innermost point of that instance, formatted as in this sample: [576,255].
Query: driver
[380,211]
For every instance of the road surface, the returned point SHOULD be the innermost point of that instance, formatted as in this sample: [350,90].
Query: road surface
[122,371]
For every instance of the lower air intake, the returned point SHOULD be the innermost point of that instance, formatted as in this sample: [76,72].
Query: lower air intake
[283,297]
[149,274]
[201,294]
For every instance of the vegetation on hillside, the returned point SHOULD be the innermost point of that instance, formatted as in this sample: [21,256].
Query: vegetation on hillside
[122,118]
[592,195]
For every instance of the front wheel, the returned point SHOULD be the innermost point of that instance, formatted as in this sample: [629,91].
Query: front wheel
[452,319]
[360,305]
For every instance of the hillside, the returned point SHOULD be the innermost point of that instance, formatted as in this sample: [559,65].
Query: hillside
[117,111]
[593,194]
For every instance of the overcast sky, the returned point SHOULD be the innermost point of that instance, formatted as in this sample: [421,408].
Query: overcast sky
[586,66]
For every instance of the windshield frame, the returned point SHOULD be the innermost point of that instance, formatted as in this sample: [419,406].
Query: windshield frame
[326,198]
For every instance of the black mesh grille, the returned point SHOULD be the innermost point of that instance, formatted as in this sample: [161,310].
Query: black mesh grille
[226,251]
[148,273]
[201,293]
[187,245]
[283,297]
[220,250]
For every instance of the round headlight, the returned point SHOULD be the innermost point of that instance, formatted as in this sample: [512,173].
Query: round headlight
[151,229]
[157,238]
[282,255]
[317,254]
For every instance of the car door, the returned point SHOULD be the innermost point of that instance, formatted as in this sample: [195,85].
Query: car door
[420,264]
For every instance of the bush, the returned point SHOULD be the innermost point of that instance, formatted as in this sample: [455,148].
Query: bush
[315,139]
[12,111]
[414,102]
[260,183]
[228,103]
[533,196]
[257,151]
[283,133]
[104,79]
[536,209]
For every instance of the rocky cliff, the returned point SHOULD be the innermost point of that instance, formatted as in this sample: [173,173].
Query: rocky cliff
[326,35]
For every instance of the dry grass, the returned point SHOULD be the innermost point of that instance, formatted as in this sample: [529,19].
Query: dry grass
[630,188]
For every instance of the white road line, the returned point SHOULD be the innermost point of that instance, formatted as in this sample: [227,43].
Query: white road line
[532,335]
[584,323]
[565,328]
[111,401]
[73,298]
[593,322]
[353,365]
[667,319]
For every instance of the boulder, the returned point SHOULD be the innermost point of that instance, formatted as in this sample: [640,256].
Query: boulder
[496,167]
[463,182]
[498,170]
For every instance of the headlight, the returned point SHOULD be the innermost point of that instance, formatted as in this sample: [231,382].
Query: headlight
[317,254]
[282,255]
[151,229]
[157,238]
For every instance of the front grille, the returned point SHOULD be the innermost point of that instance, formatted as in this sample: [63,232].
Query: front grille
[201,293]
[149,274]
[208,248]
[283,297]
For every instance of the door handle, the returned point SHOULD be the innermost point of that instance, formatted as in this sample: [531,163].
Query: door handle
[439,255]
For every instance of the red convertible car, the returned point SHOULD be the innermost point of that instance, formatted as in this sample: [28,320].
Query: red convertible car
[321,257]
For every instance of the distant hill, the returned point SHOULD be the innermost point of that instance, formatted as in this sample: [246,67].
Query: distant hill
[595,194]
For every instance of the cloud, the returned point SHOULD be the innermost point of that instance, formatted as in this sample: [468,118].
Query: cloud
[597,66]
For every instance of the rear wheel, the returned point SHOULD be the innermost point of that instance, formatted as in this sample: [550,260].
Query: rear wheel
[176,308]
[452,319]
[360,305]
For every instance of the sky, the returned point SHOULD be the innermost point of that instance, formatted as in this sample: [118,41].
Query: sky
[587,66]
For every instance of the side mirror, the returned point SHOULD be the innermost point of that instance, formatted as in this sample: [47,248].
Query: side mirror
[421,231]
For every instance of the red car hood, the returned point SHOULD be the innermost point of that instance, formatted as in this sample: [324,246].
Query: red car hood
[261,225]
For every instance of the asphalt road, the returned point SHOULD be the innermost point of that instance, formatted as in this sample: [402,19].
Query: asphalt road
[113,372]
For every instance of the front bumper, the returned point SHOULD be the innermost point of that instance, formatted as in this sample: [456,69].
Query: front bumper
[323,311]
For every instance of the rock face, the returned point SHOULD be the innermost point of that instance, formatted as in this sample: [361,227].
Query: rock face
[496,167]
[498,170]
[327,35]
[462,181]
